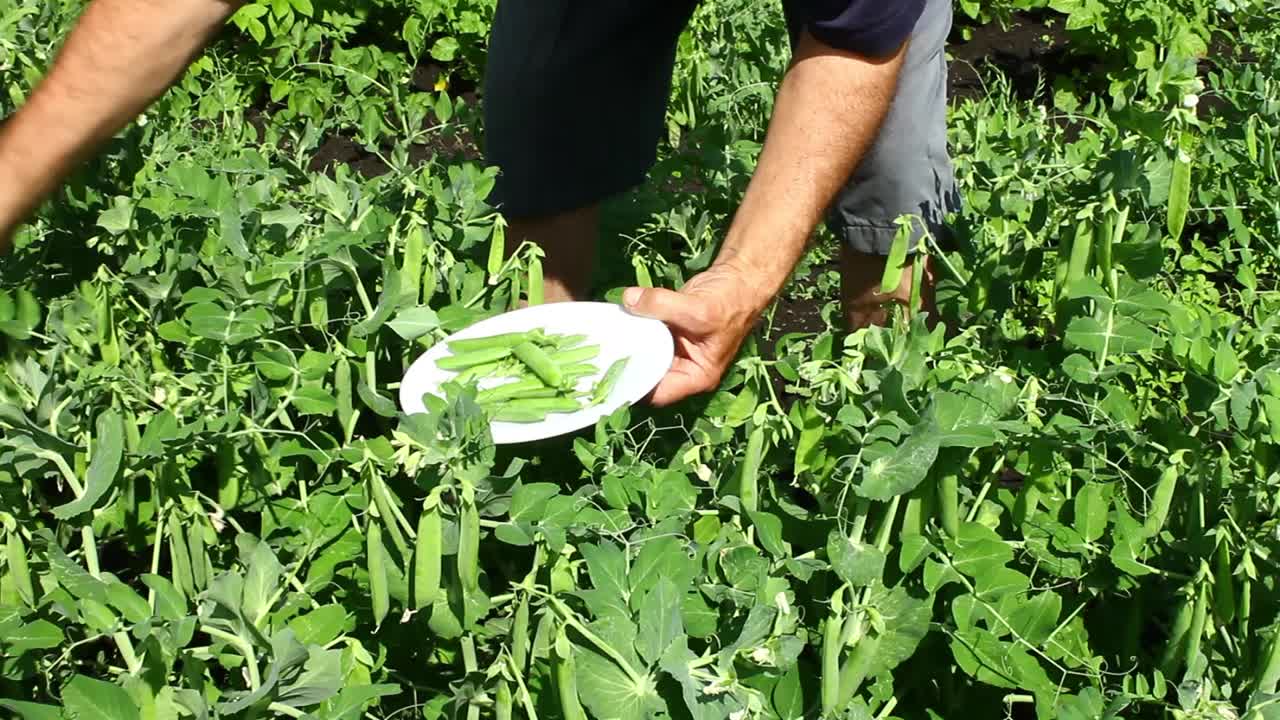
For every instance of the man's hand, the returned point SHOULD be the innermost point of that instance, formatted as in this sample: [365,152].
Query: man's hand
[121,55]
[709,317]
[827,114]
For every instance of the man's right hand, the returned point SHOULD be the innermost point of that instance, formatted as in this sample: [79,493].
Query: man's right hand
[120,57]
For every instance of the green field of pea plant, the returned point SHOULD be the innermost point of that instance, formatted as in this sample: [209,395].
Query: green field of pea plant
[1060,503]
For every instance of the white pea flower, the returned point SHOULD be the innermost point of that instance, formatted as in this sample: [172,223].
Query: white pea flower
[1190,100]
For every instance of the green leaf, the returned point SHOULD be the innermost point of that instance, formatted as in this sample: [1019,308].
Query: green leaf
[529,502]
[108,448]
[964,417]
[857,563]
[35,635]
[906,621]
[32,711]
[1034,618]
[788,696]
[660,622]
[1120,335]
[232,231]
[607,691]
[979,550]
[658,558]
[607,567]
[998,663]
[445,49]
[128,602]
[170,605]
[388,302]
[351,702]
[313,400]
[769,532]
[88,699]
[230,327]
[899,470]
[119,217]
[262,578]
[320,626]
[998,582]
[412,323]
[1091,505]
[1226,365]
[700,619]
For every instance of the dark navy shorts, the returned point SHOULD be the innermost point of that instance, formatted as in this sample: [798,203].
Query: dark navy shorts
[576,95]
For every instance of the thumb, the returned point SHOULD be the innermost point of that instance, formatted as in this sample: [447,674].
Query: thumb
[668,306]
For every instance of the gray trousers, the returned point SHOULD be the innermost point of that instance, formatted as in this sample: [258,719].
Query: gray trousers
[575,97]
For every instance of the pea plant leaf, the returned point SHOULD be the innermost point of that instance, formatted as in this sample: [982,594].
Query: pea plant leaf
[85,698]
[108,449]
[607,691]
[660,622]
[898,470]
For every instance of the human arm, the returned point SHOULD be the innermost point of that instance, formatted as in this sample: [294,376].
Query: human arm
[828,110]
[120,57]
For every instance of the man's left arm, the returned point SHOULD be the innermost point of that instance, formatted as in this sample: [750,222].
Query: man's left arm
[828,111]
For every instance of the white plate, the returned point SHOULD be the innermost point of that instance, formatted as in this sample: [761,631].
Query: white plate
[647,343]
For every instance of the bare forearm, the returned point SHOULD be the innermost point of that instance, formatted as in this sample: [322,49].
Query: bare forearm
[828,111]
[120,57]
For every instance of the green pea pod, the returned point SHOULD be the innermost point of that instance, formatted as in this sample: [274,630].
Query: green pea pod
[502,701]
[497,249]
[562,343]
[1269,672]
[856,668]
[572,373]
[1178,633]
[831,646]
[1158,511]
[1199,616]
[180,559]
[491,342]
[527,387]
[915,518]
[566,677]
[547,405]
[469,546]
[411,266]
[643,278]
[1179,189]
[604,388]
[472,358]
[1027,502]
[575,355]
[1224,591]
[535,281]
[199,559]
[378,590]
[481,372]
[520,634]
[509,415]
[318,307]
[427,555]
[540,363]
[749,471]
[897,260]
[345,408]
[1081,250]
[16,553]
[949,503]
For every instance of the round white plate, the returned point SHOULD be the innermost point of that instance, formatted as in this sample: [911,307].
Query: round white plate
[647,343]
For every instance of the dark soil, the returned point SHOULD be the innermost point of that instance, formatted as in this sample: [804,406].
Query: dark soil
[1031,52]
